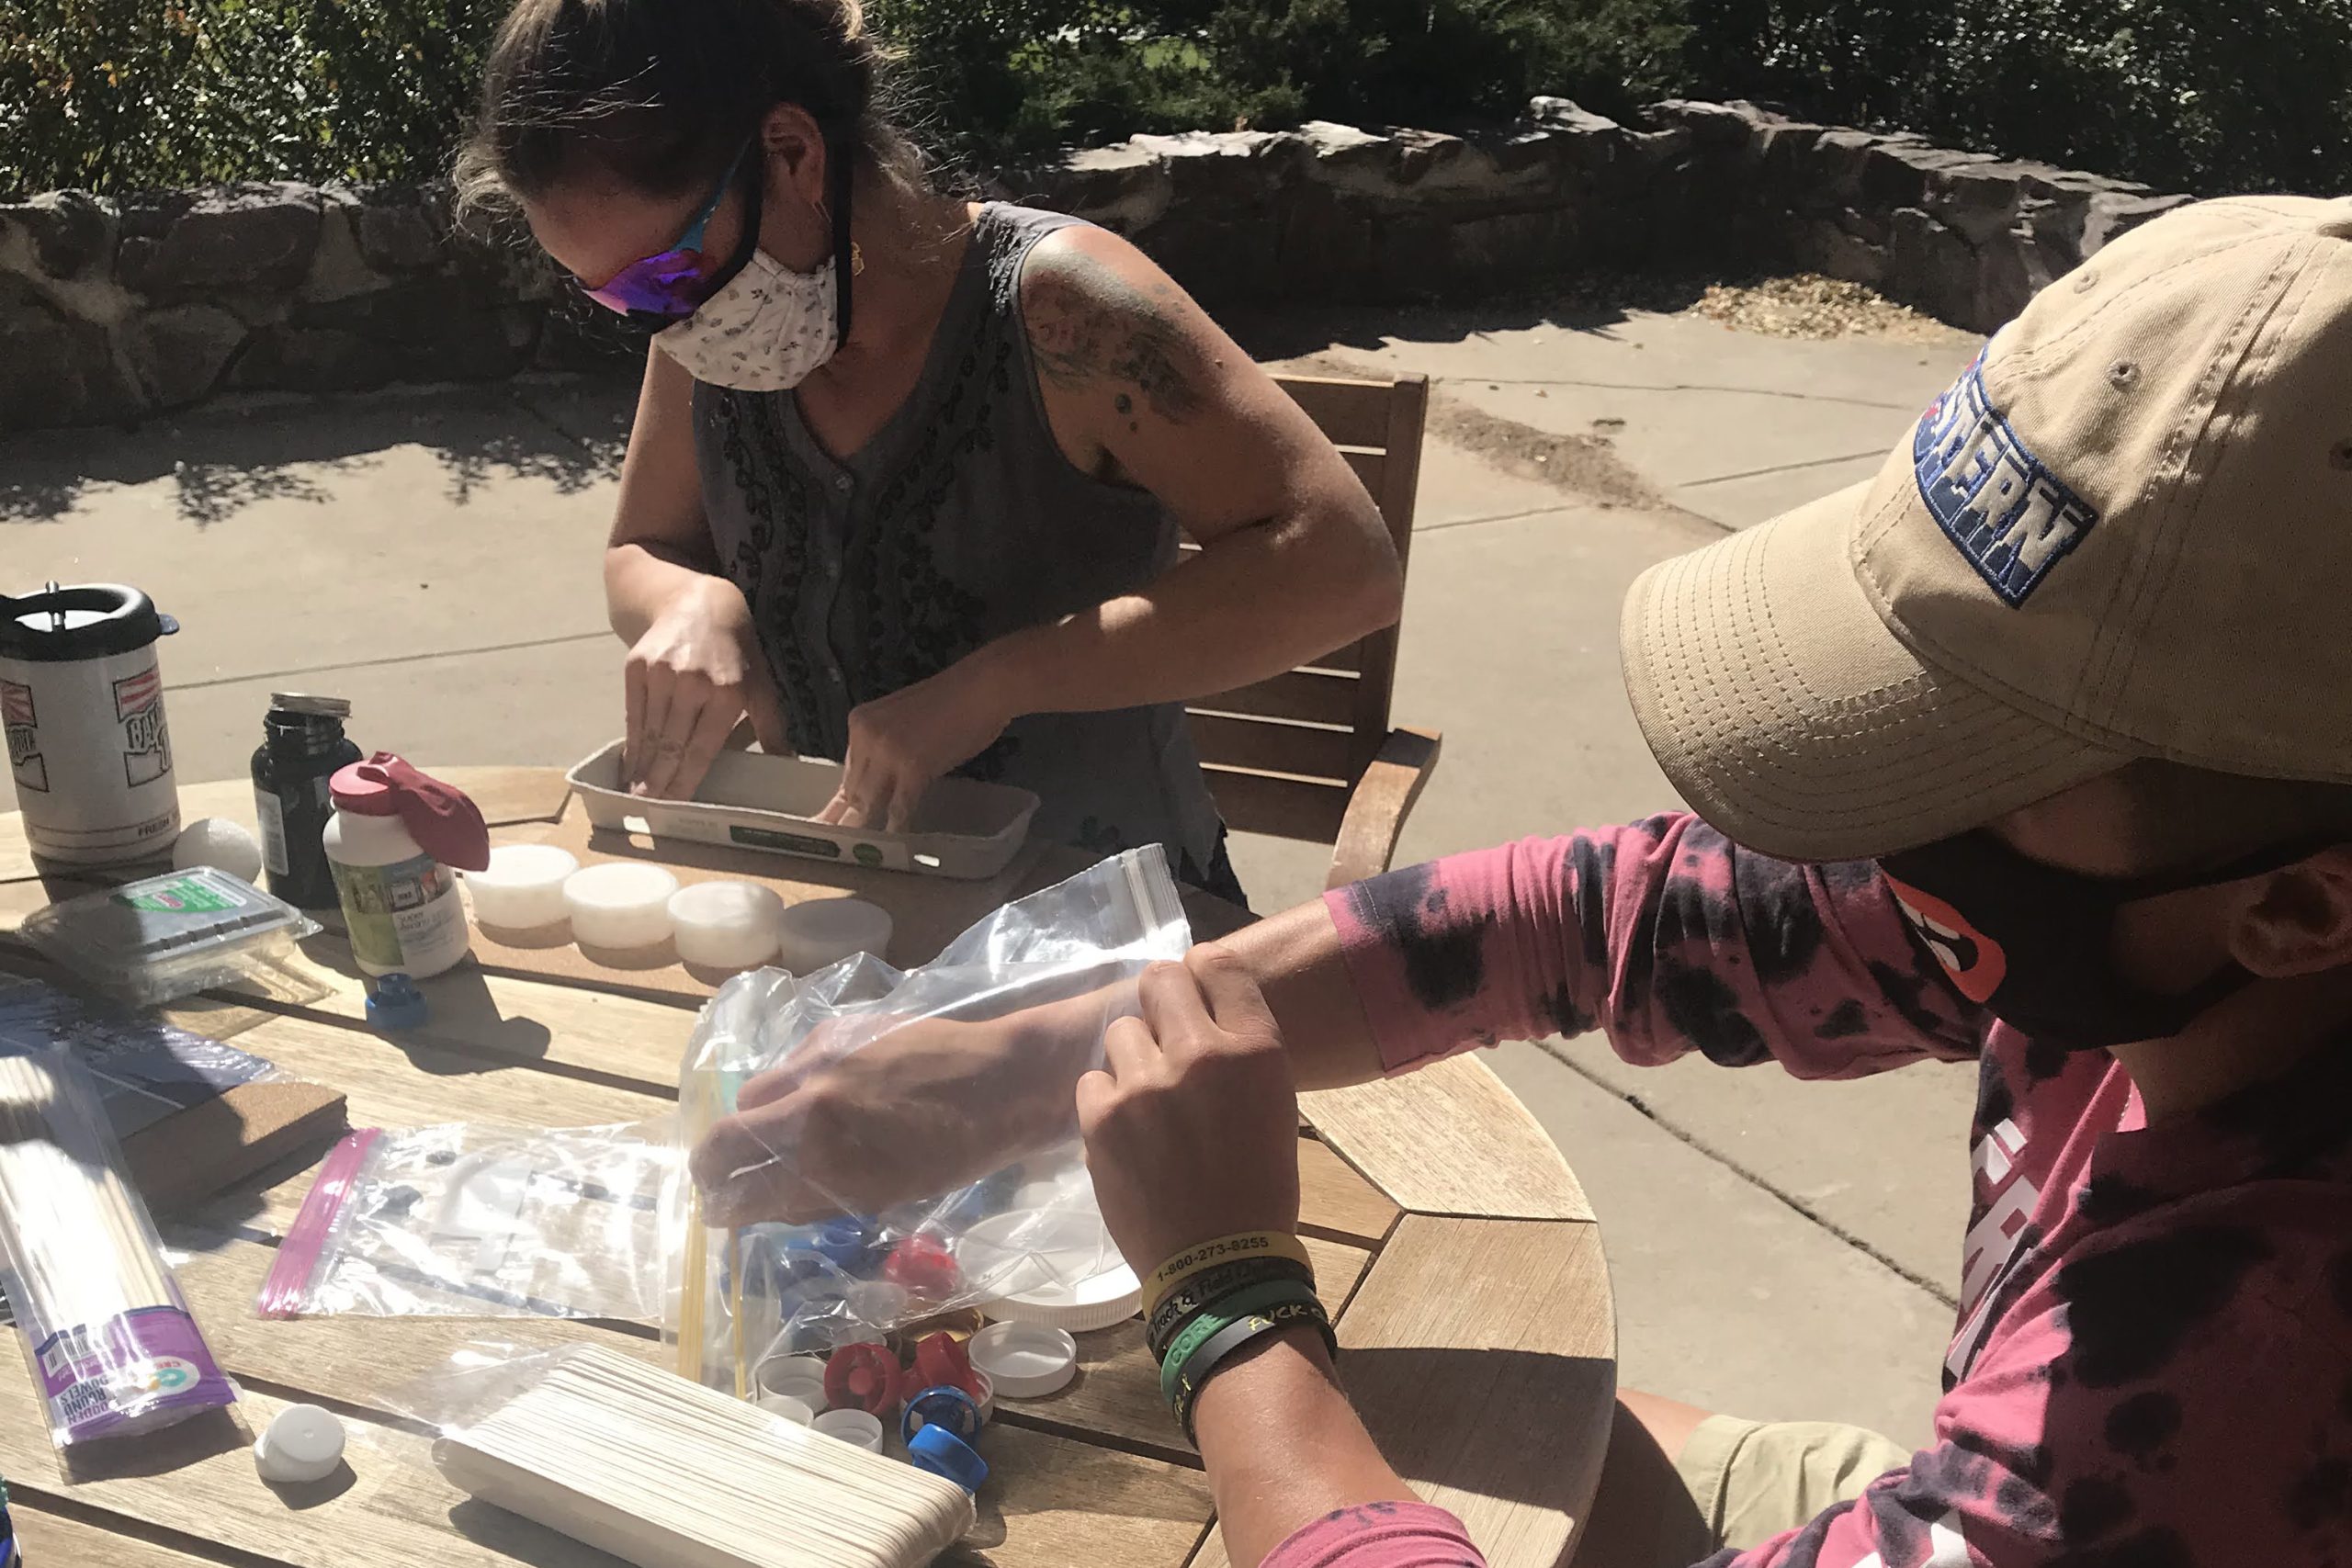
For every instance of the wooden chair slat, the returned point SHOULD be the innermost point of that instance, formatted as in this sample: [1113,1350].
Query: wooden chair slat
[1372,468]
[1283,809]
[1315,696]
[1350,412]
[1270,745]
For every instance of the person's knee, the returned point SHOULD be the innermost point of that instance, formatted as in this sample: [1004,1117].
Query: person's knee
[1643,1515]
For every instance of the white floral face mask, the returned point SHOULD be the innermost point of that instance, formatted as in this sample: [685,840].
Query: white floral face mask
[767,331]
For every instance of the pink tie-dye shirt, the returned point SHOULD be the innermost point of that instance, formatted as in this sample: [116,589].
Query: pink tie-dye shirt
[2152,1366]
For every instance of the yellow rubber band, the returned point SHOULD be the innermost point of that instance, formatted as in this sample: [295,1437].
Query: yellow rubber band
[1224,1249]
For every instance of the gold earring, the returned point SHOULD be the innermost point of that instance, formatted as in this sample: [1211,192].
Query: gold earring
[856,259]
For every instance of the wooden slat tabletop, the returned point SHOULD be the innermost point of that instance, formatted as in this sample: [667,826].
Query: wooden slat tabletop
[1449,1234]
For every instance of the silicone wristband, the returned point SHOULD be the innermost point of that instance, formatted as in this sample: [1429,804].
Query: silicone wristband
[1190,1295]
[1217,1352]
[1224,1249]
[1223,1313]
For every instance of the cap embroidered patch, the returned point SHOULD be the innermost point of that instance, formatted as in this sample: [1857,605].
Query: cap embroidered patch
[2007,512]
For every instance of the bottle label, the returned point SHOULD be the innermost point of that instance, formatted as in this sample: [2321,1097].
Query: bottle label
[406,916]
[270,812]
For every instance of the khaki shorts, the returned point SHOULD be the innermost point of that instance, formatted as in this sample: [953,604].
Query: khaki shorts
[1753,1479]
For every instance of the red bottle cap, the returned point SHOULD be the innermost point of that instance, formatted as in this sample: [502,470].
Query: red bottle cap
[445,824]
[940,1359]
[922,1267]
[864,1377]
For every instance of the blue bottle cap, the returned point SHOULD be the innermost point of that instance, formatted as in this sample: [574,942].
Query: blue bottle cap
[847,1242]
[395,1003]
[944,1453]
[943,1406]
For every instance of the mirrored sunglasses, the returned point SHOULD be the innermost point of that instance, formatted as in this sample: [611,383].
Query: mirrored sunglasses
[671,286]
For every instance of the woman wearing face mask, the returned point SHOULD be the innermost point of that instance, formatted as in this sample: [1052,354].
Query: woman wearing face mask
[908,473]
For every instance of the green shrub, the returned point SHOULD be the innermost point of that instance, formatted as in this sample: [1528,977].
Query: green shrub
[2197,95]
[2186,95]
[115,95]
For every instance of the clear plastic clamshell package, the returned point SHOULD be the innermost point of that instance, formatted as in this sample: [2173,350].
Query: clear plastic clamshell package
[151,942]
[1014,1230]
[466,1221]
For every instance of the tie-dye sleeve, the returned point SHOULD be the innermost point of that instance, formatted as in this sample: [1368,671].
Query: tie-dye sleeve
[1663,933]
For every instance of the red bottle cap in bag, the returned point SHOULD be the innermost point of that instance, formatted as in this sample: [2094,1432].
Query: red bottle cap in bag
[863,1376]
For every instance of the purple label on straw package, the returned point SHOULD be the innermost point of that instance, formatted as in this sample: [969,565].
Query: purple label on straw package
[140,1370]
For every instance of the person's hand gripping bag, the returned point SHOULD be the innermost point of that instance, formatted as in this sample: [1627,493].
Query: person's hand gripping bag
[872,1148]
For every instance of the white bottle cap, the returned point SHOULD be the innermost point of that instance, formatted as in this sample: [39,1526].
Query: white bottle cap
[1024,1360]
[727,925]
[793,1410]
[853,1426]
[809,1391]
[825,931]
[621,905]
[303,1443]
[523,889]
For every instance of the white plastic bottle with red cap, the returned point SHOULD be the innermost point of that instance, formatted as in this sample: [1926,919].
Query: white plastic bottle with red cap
[393,838]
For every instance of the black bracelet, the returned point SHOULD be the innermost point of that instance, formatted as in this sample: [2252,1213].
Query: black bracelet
[1202,1289]
[1204,1362]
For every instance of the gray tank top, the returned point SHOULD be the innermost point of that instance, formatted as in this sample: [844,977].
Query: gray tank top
[959,521]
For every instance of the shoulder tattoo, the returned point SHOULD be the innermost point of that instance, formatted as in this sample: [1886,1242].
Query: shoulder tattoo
[1092,331]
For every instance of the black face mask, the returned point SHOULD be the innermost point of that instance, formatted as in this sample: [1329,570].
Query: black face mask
[2035,945]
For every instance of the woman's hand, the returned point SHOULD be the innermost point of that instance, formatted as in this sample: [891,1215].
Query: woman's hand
[877,1114]
[1192,1128]
[899,745]
[691,678]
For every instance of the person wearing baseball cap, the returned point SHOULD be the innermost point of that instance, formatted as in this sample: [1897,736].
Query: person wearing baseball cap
[2034,751]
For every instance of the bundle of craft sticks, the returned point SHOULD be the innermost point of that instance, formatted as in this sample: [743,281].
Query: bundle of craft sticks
[112,1346]
[665,1474]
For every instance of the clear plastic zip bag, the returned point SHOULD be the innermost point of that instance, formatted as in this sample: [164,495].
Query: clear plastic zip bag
[466,1221]
[1016,1229]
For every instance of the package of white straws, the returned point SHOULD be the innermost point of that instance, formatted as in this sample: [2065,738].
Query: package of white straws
[112,1346]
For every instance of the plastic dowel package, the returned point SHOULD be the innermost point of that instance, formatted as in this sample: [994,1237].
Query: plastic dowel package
[465,1221]
[1015,1224]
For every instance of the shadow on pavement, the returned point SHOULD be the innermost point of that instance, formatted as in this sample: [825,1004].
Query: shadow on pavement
[567,430]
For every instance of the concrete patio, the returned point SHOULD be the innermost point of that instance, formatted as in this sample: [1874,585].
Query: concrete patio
[1778,1250]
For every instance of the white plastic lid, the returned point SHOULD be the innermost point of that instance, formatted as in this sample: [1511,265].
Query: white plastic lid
[726,925]
[304,1442]
[620,904]
[1055,1267]
[853,1426]
[523,888]
[1024,1360]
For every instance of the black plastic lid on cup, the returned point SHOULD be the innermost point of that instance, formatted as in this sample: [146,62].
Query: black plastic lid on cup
[90,620]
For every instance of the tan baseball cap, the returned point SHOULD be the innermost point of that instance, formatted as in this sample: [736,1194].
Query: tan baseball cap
[2125,532]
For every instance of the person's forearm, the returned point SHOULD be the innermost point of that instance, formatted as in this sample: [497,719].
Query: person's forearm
[1293,956]
[643,579]
[1283,1446]
[1252,604]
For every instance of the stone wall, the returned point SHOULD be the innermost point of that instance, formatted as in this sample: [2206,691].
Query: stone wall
[110,312]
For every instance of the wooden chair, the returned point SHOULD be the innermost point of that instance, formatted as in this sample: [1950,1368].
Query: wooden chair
[1309,755]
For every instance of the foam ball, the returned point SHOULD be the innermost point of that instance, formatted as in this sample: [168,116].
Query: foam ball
[219,842]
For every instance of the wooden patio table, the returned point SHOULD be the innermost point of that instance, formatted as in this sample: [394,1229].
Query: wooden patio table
[1450,1240]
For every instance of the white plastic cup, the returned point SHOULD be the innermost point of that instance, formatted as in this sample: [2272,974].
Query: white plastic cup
[620,904]
[726,925]
[823,932]
[523,889]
